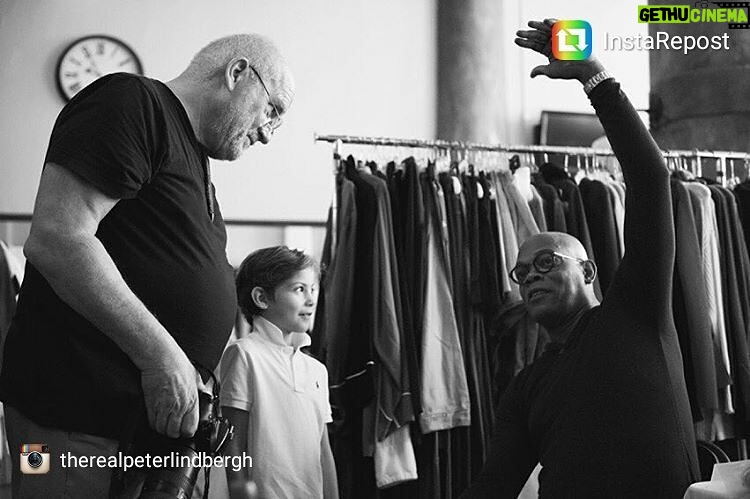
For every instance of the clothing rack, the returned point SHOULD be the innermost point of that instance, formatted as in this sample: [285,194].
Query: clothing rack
[723,158]
[459,145]
[691,160]
[688,159]
[26,217]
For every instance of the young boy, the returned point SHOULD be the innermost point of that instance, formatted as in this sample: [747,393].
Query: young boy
[275,395]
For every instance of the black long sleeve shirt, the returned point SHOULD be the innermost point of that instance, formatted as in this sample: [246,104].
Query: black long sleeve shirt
[607,413]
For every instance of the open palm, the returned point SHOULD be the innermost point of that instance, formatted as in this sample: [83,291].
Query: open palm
[539,39]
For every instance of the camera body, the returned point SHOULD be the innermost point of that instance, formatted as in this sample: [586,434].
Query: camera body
[213,433]
[34,459]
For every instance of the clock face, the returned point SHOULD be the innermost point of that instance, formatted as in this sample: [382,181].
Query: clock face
[91,57]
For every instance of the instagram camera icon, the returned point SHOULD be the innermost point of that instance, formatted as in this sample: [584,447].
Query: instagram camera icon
[34,459]
[571,40]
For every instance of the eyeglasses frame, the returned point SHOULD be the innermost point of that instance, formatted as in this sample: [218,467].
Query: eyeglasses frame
[533,264]
[269,125]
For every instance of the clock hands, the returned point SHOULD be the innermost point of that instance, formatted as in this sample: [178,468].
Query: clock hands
[90,58]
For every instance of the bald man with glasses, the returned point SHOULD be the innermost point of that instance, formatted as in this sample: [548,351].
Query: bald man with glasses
[604,410]
[127,284]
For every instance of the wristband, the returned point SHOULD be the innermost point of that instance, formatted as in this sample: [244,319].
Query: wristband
[592,82]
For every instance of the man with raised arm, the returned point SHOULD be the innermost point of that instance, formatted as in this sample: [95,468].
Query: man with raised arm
[605,409]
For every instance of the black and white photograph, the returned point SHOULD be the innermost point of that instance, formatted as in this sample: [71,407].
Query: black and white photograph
[359,249]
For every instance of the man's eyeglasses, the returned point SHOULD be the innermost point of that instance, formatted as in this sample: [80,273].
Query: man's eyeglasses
[543,263]
[275,121]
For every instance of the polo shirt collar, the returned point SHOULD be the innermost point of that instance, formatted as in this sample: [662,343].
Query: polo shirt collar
[271,333]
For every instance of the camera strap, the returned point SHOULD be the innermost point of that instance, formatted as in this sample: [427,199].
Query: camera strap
[215,390]
[126,443]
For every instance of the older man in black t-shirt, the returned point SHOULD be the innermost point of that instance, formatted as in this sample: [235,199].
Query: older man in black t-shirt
[127,280]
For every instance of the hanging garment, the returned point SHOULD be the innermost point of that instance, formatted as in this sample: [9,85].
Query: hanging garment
[489,247]
[508,238]
[575,214]
[336,324]
[467,444]
[490,298]
[719,425]
[600,217]
[733,307]
[741,256]
[377,303]
[523,219]
[359,358]
[338,290]
[482,416]
[537,209]
[691,308]
[507,286]
[742,192]
[618,208]
[319,342]
[708,237]
[620,188]
[410,243]
[394,459]
[522,180]
[743,281]
[445,393]
[554,209]
[473,235]
[459,259]
[373,359]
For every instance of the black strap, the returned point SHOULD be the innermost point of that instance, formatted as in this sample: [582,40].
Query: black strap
[125,446]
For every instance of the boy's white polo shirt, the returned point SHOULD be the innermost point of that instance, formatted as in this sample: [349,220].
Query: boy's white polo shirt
[286,393]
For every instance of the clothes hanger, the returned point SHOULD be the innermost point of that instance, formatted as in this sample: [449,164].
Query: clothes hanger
[463,164]
[522,180]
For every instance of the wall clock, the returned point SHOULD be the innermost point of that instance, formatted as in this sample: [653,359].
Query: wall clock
[91,57]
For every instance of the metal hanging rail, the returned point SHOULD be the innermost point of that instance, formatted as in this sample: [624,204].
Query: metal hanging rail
[235,222]
[460,145]
[474,146]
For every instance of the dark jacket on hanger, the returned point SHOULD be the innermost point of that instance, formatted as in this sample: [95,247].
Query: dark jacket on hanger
[554,210]
[575,215]
[377,320]
[408,225]
[334,323]
[742,193]
[602,226]
[734,309]
[481,418]
[690,308]
[469,448]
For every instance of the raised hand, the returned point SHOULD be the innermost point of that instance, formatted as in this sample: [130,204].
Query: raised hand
[539,39]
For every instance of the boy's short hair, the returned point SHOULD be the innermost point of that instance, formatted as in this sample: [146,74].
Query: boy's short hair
[267,268]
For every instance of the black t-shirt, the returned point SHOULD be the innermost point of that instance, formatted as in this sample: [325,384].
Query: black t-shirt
[131,138]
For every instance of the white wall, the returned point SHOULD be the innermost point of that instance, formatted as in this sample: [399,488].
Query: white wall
[630,68]
[362,67]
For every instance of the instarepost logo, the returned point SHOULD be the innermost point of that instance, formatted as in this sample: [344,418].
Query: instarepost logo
[571,40]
